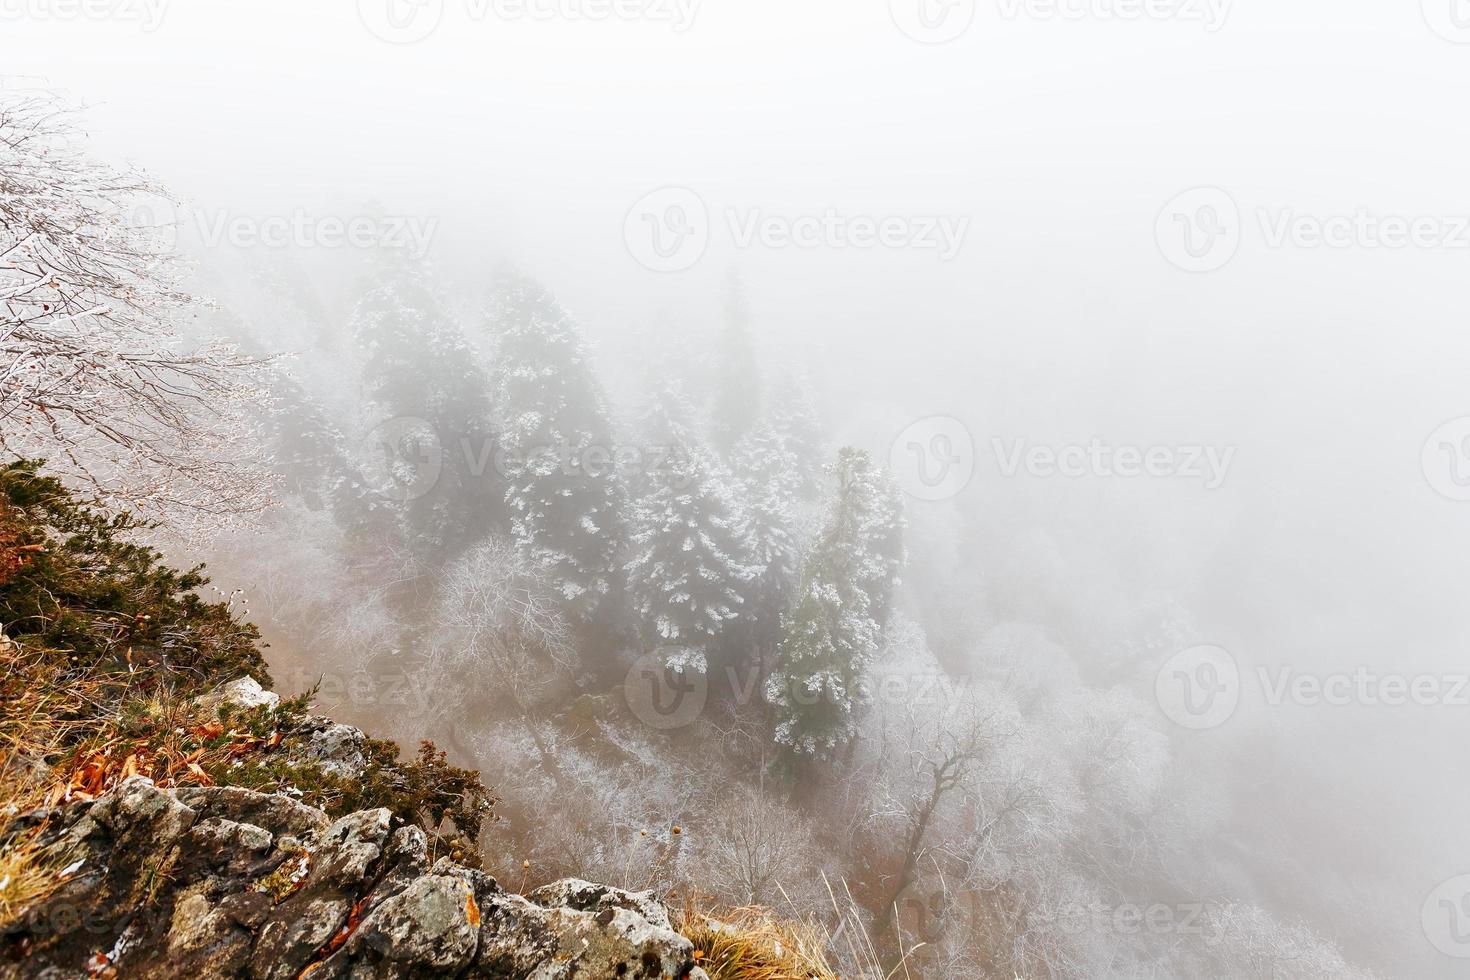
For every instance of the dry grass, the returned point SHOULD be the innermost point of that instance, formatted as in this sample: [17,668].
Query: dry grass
[753,943]
[750,944]
[42,705]
[28,873]
[70,734]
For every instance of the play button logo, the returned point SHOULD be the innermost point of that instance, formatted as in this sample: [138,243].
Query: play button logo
[401,21]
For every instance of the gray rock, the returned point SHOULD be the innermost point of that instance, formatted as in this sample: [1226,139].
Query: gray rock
[339,750]
[433,925]
[348,849]
[294,933]
[279,814]
[248,908]
[519,938]
[220,843]
[483,883]
[203,940]
[584,896]
[175,883]
[409,846]
[243,692]
[137,812]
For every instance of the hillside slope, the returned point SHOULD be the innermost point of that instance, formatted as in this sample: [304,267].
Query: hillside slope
[164,814]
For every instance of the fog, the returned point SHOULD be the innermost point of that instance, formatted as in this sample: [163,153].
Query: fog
[1235,233]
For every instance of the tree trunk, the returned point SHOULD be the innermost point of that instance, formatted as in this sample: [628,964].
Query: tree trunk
[910,863]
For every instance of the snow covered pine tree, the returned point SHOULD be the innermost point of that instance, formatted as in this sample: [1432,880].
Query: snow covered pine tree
[835,627]
[690,561]
[420,366]
[563,490]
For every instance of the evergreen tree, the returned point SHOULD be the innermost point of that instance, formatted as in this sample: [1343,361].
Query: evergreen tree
[564,493]
[834,628]
[737,402]
[768,479]
[306,450]
[690,562]
[418,365]
[797,424]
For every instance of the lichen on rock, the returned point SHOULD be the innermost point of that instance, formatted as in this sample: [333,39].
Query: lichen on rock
[178,882]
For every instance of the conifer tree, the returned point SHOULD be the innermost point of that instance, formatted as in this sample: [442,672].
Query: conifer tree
[690,563]
[768,480]
[796,423]
[418,365]
[737,402]
[564,493]
[835,624]
[307,450]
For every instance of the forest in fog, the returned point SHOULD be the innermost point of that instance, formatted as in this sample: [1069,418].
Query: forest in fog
[701,646]
[982,493]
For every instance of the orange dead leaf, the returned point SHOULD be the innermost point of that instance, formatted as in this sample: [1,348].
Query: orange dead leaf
[210,731]
[472,911]
[353,919]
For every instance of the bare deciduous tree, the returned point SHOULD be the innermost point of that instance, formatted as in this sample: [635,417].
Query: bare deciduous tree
[94,376]
[758,851]
[507,637]
[943,750]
